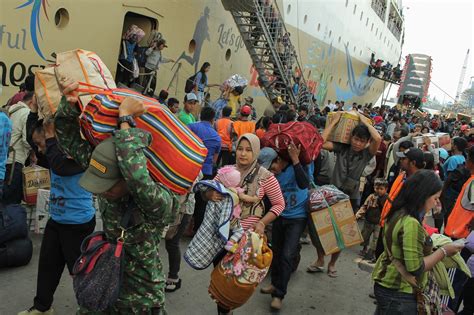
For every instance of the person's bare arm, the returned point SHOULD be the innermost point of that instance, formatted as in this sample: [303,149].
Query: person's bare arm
[374,134]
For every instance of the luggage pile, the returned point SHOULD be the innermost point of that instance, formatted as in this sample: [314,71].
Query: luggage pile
[175,155]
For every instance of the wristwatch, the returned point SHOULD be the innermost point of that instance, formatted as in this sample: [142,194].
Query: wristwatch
[127,119]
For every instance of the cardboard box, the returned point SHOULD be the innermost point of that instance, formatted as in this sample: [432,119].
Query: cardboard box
[345,221]
[444,140]
[343,131]
[465,118]
[42,210]
[418,141]
[34,178]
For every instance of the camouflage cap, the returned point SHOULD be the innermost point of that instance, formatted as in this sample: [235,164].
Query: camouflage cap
[103,171]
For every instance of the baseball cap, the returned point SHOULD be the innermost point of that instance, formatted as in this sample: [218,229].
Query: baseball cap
[266,157]
[103,171]
[413,154]
[245,110]
[190,97]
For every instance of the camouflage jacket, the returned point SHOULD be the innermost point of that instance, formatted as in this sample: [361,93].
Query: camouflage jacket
[156,207]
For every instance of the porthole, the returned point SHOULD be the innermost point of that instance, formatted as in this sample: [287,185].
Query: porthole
[331,79]
[192,46]
[367,22]
[61,18]
[376,32]
[355,48]
[305,19]
[228,54]
[361,15]
[288,9]
[339,39]
[347,3]
[355,9]
[319,26]
[372,28]
[330,33]
[360,53]
[340,80]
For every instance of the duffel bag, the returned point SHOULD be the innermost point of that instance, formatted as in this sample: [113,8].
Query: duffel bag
[16,253]
[280,136]
[238,274]
[12,222]
[175,155]
[78,65]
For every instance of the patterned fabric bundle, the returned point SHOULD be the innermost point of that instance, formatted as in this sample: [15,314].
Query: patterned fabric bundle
[175,155]
[235,278]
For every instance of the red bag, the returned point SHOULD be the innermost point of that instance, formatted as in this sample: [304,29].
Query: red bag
[280,136]
[175,155]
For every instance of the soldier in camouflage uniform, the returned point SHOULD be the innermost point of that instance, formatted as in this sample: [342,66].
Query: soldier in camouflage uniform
[120,179]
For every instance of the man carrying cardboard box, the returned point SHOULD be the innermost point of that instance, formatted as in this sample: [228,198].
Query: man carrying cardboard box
[351,159]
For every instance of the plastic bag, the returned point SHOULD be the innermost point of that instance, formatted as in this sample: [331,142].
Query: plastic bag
[322,196]
[235,81]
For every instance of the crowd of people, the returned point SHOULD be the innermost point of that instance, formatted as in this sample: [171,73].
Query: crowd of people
[386,71]
[393,182]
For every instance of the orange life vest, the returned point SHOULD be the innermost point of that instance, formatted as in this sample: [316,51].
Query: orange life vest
[224,128]
[396,187]
[460,218]
[242,127]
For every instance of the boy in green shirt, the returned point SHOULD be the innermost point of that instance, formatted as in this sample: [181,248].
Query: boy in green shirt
[186,115]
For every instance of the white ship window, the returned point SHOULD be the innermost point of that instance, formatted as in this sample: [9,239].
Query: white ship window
[339,39]
[319,26]
[228,54]
[347,3]
[384,39]
[355,9]
[367,22]
[330,33]
[360,53]
[361,15]
[377,31]
[288,9]
[305,18]
[61,18]
[372,28]
[355,48]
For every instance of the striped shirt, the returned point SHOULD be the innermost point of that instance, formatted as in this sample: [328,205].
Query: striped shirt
[270,188]
[408,241]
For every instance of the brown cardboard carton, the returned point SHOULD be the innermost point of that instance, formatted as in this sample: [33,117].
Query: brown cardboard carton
[345,221]
[343,130]
[34,178]
[444,140]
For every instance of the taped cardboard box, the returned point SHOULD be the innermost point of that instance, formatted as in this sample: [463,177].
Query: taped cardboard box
[418,141]
[464,118]
[343,131]
[444,140]
[345,223]
[34,178]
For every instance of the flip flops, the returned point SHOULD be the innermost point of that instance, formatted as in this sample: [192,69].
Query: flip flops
[172,286]
[314,269]
[332,273]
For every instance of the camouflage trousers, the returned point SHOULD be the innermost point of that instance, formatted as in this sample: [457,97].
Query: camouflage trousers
[143,283]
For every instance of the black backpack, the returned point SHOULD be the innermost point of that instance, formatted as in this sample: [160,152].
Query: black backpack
[12,222]
[16,253]
[190,84]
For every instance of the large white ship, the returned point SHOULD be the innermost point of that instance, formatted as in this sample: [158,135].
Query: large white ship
[334,40]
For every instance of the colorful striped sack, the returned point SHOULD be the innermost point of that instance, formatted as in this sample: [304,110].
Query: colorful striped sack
[175,155]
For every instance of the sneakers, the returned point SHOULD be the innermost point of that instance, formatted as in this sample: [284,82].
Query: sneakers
[276,303]
[34,311]
[267,290]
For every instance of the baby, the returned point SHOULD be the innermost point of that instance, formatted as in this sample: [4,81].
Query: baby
[229,176]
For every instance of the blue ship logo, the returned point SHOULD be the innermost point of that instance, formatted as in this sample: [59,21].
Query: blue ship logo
[35,25]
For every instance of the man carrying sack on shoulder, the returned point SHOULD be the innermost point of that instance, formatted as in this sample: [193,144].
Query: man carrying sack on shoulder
[117,173]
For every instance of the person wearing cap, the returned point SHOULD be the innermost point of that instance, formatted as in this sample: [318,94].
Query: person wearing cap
[243,125]
[71,219]
[274,107]
[153,61]
[117,173]
[186,114]
[249,102]
[294,180]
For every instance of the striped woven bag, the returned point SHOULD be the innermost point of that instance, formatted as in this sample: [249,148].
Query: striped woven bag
[175,155]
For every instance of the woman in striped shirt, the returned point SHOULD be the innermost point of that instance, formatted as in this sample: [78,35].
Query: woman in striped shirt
[256,181]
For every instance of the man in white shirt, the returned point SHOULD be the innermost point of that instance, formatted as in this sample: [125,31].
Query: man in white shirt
[19,150]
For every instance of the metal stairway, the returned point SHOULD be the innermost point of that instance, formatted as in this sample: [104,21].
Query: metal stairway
[267,40]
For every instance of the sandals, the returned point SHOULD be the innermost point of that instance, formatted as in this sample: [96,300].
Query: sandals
[172,285]
[314,269]
[332,273]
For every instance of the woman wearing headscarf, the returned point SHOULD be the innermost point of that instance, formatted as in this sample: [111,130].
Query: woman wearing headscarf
[256,181]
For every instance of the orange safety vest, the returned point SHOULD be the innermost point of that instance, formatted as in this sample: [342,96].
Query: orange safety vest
[242,127]
[224,128]
[396,187]
[460,218]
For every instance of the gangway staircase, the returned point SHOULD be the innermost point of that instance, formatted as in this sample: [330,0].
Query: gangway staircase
[268,42]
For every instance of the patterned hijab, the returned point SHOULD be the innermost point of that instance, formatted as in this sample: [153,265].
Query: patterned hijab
[255,145]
